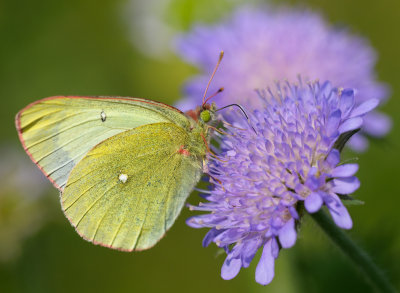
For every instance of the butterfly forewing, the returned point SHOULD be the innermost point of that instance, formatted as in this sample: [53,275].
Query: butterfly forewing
[58,132]
[129,189]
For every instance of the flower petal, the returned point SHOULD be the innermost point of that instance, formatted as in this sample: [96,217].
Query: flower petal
[358,143]
[333,123]
[346,101]
[313,202]
[377,124]
[210,236]
[326,89]
[346,170]
[351,124]
[192,222]
[274,248]
[364,107]
[230,268]
[345,185]
[265,268]
[287,234]
[334,157]
[293,212]
[339,212]
[249,250]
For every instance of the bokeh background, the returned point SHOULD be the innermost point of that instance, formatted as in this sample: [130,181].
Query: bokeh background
[122,47]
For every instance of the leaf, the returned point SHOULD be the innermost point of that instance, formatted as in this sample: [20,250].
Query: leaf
[350,201]
[343,138]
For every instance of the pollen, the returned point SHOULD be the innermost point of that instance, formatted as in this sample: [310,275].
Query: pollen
[123,178]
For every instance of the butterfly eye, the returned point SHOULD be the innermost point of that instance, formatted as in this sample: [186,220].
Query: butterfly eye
[205,115]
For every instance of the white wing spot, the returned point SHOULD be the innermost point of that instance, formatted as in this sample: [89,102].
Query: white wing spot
[103,116]
[123,178]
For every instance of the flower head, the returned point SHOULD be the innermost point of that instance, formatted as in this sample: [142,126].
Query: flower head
[263,176]
[275,44]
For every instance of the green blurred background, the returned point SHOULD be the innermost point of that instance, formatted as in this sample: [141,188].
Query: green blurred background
[116,47]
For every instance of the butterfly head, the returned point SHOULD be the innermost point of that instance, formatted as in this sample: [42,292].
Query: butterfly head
[204,114]
[207,113]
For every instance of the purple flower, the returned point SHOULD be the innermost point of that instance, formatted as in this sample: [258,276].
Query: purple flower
[263,176]
[276,44]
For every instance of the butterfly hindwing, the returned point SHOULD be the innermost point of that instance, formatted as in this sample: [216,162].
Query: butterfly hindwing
[129,189]
[57,132]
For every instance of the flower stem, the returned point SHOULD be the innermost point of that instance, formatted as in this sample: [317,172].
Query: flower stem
[360,258]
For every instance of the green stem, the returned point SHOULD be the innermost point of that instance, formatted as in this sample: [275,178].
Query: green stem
[360,258]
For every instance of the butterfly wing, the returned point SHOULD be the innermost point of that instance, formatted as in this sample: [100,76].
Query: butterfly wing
[57,132]
[129,189]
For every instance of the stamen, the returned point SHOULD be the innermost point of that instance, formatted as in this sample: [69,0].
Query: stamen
[217,180]
[202,190]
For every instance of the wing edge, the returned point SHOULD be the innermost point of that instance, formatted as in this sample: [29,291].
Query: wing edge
[22,140]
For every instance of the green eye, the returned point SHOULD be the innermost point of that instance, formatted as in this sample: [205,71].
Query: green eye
[205,115]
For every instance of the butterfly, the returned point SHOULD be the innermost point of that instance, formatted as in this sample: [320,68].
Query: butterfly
[124,166]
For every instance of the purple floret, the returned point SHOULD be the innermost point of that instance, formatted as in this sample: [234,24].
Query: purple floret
[262,176]
[265,45]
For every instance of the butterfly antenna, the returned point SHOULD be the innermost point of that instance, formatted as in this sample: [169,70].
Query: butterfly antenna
[213,95]
[221,54]
[243,111]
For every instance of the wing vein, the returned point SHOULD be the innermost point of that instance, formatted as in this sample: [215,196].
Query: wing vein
[66,163]
[147,208]
[93,204]
[65,144]
[59,131]
[168,199]
[96,184]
